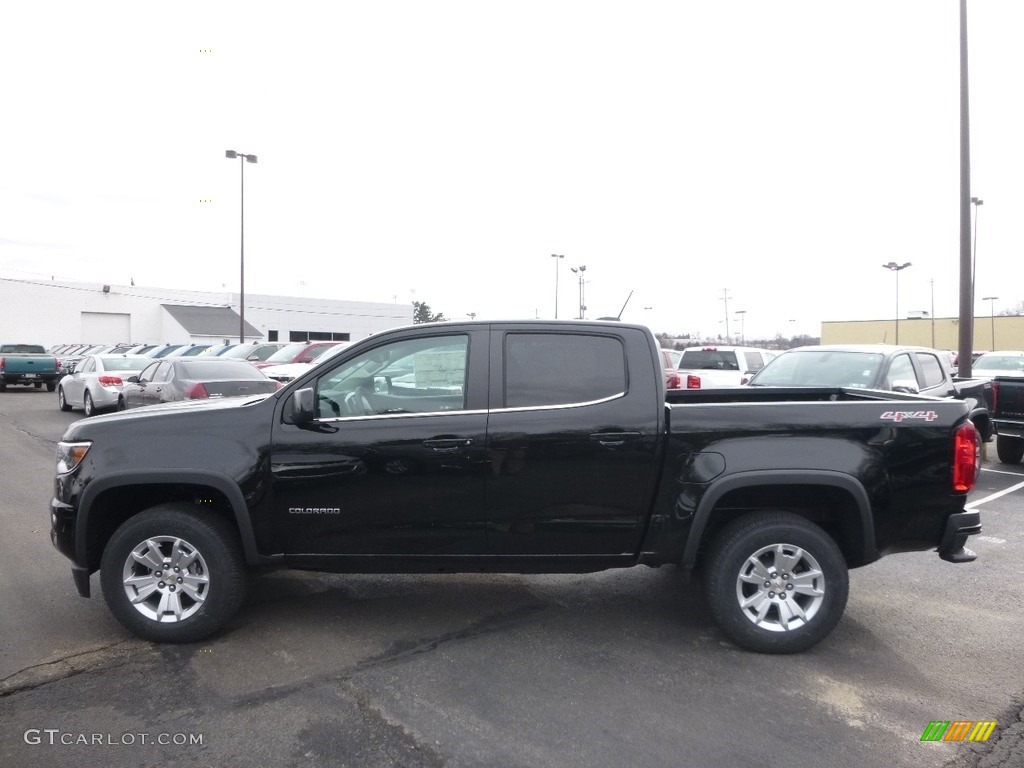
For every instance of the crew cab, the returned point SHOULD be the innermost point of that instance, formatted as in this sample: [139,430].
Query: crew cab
[28,365]
[914,370]
[525,446]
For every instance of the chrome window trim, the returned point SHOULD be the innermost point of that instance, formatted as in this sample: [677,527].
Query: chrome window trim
[584,404]
[477,412]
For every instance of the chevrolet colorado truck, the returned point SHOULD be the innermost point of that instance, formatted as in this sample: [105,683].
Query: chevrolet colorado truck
[28,364]
[525,447]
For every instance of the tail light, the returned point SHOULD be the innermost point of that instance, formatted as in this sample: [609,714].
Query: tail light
[966,457]
[3,364]
[692,382]
[995,397]
[673,380]
[196,392]
[110,381]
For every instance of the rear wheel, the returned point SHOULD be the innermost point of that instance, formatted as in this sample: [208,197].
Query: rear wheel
[775,582]
[1009,449]
[37,384]
[120,403]
[89,408]
[51,385]
[172,574]
[62,401]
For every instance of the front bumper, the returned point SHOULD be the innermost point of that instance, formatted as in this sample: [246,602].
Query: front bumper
[958,527]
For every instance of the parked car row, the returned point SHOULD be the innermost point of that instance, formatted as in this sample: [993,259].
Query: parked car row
[70,354]
[120,378]
[108,382]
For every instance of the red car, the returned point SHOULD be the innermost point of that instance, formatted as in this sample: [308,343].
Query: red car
[297,352]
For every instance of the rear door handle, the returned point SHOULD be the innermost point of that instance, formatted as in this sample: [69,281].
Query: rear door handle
[448,444]
[614,439]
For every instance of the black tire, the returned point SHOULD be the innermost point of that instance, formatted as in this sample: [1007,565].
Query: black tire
[37,384]
[51,385]
[1009,449]
[206,592]
[3,386]
[62,402]
[817,588]
[120,403]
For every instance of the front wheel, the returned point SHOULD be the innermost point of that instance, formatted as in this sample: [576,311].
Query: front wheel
[775,582]
[1009,449]
[173,574]
[62,401]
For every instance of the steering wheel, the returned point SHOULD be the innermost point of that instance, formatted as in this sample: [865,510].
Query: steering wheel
[357,404]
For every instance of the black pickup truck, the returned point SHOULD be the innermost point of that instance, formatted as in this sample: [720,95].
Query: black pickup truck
[529,447]
[1005,368]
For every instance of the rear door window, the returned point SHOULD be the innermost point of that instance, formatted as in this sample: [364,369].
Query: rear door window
[560,369]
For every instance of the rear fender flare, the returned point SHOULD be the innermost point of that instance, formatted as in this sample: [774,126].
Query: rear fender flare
[720,488]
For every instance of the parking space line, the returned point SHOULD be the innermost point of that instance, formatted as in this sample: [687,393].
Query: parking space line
[1000,472]
[994,496]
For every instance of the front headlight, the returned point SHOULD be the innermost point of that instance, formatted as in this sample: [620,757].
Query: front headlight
[70,455]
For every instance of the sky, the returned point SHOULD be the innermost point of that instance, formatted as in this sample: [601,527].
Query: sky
[711,164]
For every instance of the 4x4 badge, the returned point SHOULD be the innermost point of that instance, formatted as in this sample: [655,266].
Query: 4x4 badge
[899,416]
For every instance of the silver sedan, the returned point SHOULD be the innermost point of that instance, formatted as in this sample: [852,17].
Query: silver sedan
[96,382]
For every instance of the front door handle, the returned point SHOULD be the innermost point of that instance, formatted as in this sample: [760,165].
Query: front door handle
[448,444]
[614,439]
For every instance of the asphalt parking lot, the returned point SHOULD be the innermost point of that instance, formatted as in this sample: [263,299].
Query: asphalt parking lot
[610,669]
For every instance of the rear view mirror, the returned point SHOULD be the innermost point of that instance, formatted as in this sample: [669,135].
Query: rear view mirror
[905,385]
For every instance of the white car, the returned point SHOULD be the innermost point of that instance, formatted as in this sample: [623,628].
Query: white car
[709,367]
[285,372]
[96,381]
[999,363]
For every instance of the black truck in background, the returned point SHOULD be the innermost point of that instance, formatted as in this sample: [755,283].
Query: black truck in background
[529,447]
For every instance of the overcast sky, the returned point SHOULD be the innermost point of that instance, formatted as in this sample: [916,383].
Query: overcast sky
[774,153]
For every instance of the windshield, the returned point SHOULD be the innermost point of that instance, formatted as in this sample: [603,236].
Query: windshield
[1001,363]
[821,368]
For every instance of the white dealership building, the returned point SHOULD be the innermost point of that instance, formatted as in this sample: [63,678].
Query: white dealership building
[51,312]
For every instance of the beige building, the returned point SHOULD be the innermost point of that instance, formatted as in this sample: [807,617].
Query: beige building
[939,332]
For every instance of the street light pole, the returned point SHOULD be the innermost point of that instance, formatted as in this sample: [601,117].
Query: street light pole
[579,271]
[231,155]
[977,202]
[897,268]
[743,335]
[992,316]
[556,257]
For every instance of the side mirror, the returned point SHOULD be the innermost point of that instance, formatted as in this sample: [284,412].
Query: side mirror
[303,407]
[906,386]
[133,379]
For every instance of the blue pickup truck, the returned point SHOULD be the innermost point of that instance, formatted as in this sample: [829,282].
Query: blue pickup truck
[28,364]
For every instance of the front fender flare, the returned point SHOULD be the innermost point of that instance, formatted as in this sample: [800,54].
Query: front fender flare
[215,480]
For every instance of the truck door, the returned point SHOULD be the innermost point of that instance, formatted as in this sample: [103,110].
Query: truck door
[572,440]
[394,461]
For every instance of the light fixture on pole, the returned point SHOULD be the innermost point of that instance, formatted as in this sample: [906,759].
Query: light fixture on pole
[743,335]
[725,298]
[231,155]
[579,271]
[556,257]
[897,268]
[977,202]
[992,316]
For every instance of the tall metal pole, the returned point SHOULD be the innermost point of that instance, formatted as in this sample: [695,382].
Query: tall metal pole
[241,280]
[966,335]
[556,257]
